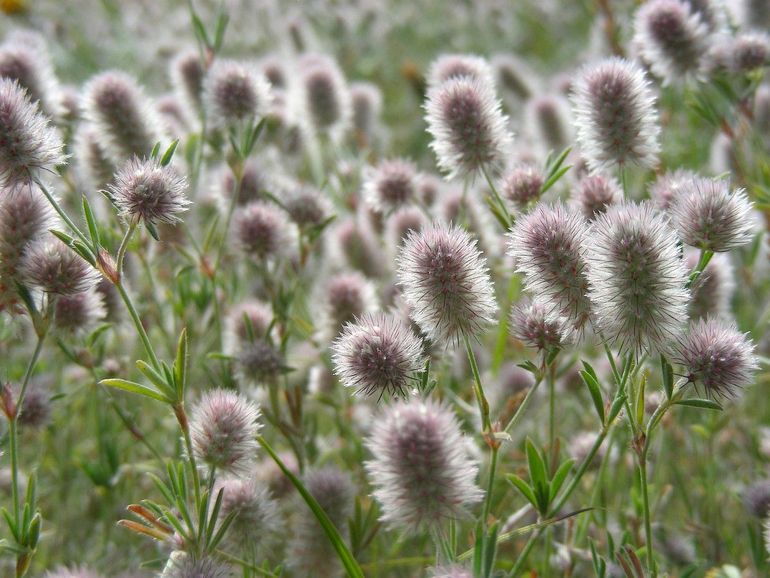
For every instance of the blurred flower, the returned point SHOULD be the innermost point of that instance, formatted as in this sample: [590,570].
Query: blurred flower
[594,193]
[534,325]
[79,313]
[421,471]
[55,268]
[28,142]
[712,291]
[223,427]
[257,522]
[522,185]
[667,188]
[234,93]
[449,66]
[468,127]
[262,232]
[390,185]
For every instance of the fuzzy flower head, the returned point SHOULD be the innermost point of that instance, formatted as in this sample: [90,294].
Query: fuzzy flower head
[224,426]
[181,565]
[421,471]
[551,122]
[309,551]
[391,185]
[233,93]
[594,193]
[671,37]
[449,66]
[79,313]
[147,191]
[711,217]
[79,572]
[56,269]
[715,355]
[522,185]
[712,291]
[402,223]
[325,91]
[28,142]
[615,115]
[377,354]
[246,321]
[122,114]
[262,231]
[25,215]
[637,277]
[446,282]
[366,102]
[468,127]
[187,76]
[306,206]
[257,363]
[257,519]
[546,247]
[667,188]
[534,325]
[345,297]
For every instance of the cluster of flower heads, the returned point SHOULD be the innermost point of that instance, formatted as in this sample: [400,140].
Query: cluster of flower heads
[599,266]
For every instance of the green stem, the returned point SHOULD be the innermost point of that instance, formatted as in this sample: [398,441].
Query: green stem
[57,207]
[579,474]
[490,482]
[497,197]
[647,522]
[524,553]
[551,408]
[523,406]
[478,389]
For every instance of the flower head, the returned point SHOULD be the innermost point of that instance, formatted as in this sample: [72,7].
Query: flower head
[421,471]
[667,188]
[326,95]
[55,268]
[446,282]
[391,185]
[366,101]
[401,223]
[671,37]
[546,247]
[187,76]
[262,231]
[536,326]
[143,189]
[223,427]
[345,297]
[714,354]
[449,66]
[28,142]
[594,193]
[615,115]
[522,184]
[637,277]
[377,354]
[246,320]
[123,116]
[257,362]
[257,519]
[468,127]
[709,216]
[182,565]
[234,93]
[80,312]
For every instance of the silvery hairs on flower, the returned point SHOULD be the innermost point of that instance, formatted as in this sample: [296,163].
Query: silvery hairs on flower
[446,282]
[421,470]
[378,354]
[615,115]
[637,277]
[470,132]
[546,247]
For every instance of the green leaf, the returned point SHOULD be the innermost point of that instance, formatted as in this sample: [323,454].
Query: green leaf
[351,566]
[617,405]
[169,154]
[137,388]
[219,33]
[155,151]
[524,488]
[490,551]
[180,364]
[152,230]
[560,476]
[667,373]
[537,472]
[589,378]
[700,403]
[91,222]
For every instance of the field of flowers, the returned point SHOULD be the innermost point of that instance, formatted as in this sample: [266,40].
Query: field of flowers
[363,288]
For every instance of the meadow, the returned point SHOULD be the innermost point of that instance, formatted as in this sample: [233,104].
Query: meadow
[371,288]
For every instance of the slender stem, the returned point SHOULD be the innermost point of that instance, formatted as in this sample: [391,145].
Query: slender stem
[13,429]
[478,389]
[57,207]
[551,408]
[138,324]
[490,483]
[524,553]
[497,197]
[647,522]
[523,406]
[623,180]
[181,417]
[579,474]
